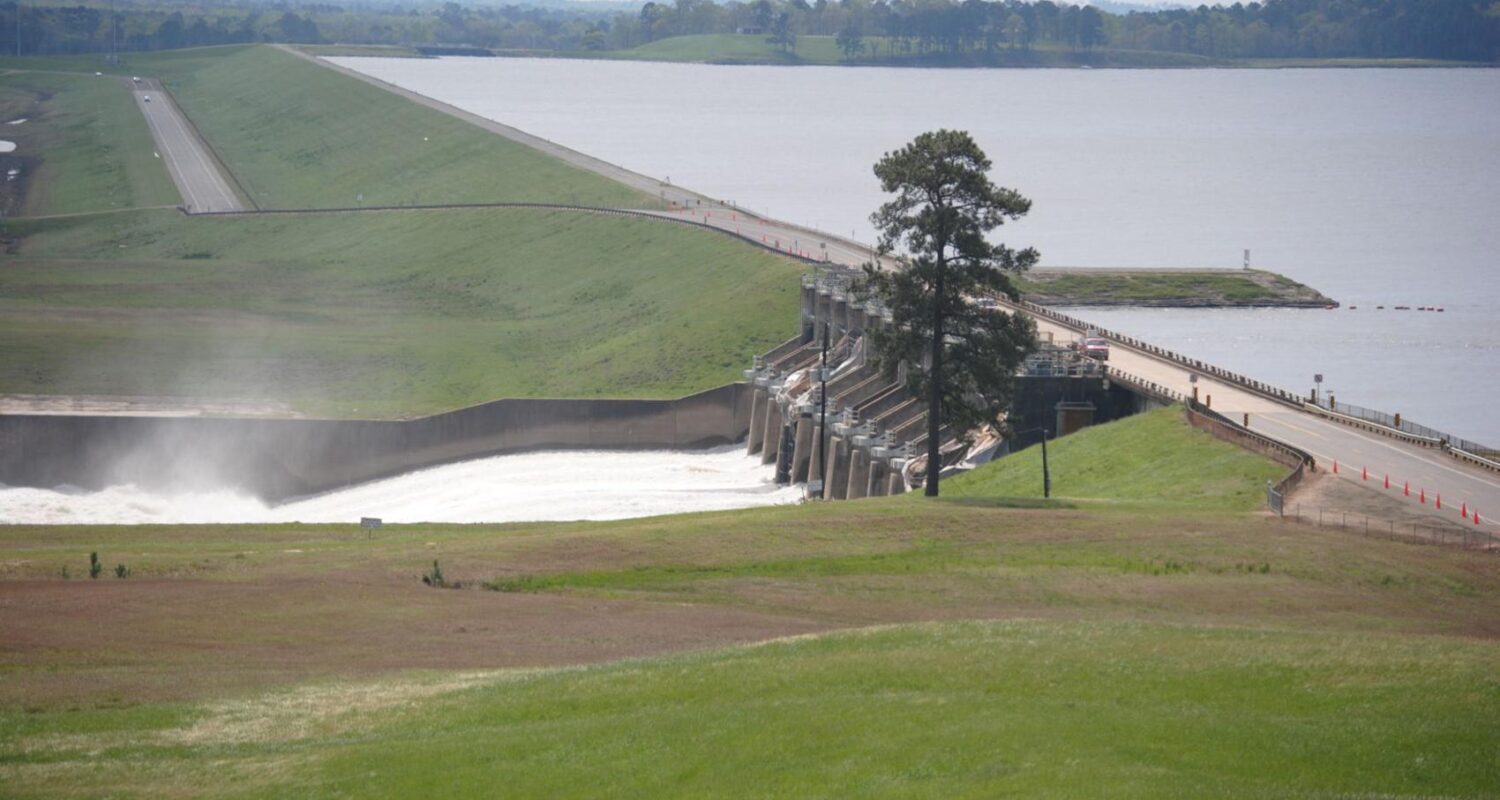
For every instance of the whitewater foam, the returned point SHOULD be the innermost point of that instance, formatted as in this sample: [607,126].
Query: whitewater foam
[569,485]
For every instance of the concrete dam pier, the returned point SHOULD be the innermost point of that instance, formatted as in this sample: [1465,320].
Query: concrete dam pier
[875,441]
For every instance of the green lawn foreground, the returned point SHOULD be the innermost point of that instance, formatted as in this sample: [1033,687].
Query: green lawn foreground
[1129,650]
[299,135]
[976,709]
[87,145]
[385,314]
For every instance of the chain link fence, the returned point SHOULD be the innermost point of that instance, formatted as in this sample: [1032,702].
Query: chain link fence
[1404,531]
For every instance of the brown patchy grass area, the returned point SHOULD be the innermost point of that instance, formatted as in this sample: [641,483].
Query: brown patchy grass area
[213,611]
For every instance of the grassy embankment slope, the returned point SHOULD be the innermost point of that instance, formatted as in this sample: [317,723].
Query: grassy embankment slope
[1139,650]
[300,136]
[1175,288]
[731,48]
[98,150]
[1142,456]
[374,313]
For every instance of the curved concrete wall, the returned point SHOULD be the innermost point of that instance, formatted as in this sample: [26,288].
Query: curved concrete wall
[278,458]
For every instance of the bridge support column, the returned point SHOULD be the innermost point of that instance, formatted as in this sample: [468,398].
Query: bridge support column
[801,455]
[770,436]
[836,476]
[784,454]
[756,436]
[894,483]
[859,473]
[875,487]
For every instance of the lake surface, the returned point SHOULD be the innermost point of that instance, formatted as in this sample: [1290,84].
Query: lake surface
[1375,186]
[529,487]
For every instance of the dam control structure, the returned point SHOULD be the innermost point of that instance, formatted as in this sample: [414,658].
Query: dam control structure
[824,415]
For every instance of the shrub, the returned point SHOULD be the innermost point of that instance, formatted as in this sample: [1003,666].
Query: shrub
[122,571]
[94,566]
[435,577]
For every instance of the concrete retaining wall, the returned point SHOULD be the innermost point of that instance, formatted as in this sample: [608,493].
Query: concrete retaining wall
[279,458]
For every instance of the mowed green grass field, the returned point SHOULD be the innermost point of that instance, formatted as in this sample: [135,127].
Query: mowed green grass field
[84,144]
[298,135]
[385,314]
[973,646]
[375,314]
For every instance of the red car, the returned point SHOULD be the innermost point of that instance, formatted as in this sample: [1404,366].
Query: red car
[1095,347]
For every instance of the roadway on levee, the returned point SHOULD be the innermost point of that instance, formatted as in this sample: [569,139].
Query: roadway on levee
[1357,451]
[198,176]
[1327,441]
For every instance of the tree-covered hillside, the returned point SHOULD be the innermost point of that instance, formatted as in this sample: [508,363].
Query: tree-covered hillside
[977,32]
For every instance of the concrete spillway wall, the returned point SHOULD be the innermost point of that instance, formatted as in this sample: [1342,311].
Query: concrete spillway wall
[279,458]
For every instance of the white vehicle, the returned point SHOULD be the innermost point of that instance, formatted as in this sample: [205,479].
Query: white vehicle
[146,97]
[137,80]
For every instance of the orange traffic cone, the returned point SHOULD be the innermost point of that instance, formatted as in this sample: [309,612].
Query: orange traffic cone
[1387,480]
[1423,496]
[1406,489]
[1464,511]
[1364,473]
[1440,500]
[1335,466]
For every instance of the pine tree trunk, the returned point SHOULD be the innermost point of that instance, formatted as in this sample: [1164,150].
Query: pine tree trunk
[935,386]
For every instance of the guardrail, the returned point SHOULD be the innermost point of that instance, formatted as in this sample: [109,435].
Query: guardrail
[1395,422]
[1259,387]
[1474,458]
[1301,462]
[1374,427]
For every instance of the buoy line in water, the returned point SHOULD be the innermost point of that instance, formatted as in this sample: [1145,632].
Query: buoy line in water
[563,485]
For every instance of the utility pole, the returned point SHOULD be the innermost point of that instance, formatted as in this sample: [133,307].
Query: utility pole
[1046,475]
[823,418]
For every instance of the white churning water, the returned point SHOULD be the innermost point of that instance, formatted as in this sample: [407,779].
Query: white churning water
[569,485]
[6,146]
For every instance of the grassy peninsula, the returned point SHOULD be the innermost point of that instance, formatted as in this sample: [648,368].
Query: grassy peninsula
[1168,288]
[1154,639]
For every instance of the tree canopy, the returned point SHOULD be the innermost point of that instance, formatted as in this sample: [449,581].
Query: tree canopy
[937,226]
[891,31]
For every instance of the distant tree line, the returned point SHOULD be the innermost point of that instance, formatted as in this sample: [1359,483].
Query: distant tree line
[964,31]
[1467,30]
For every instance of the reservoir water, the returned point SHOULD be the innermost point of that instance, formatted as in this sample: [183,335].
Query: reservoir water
[572,485]
[1375,186]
